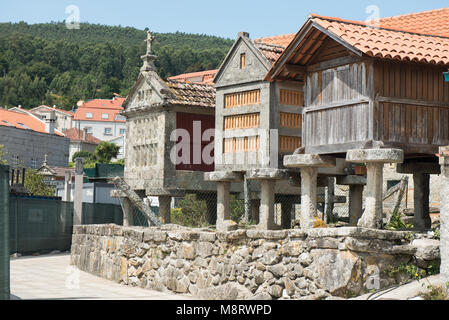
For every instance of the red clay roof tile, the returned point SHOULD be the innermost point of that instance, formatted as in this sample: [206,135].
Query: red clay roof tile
[23,120]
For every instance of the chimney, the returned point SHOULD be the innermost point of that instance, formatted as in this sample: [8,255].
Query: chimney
[50,123]
[243,34]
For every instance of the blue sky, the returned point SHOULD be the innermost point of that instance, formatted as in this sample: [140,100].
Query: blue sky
[222,18]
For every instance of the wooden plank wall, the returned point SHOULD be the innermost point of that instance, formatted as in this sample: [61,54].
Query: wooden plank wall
[337,106]
[412,104]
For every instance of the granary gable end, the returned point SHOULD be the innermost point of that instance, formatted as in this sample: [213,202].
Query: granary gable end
[232,72]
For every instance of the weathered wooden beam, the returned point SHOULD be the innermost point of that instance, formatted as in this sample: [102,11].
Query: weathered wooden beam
[412,102]
[333,63]
[136,200]
[292,68]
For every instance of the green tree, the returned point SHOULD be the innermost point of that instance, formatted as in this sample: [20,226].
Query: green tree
[106,151]
[2,155]
[86,155]
[34,183]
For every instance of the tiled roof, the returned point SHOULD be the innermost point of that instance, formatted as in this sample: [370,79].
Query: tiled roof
[115,103]
[192,94]
[433,22]
[272,47]
[271,52]
[281,40]
[386,43]
[76,135]
[69,113]
[23,120]
[205,77]
[100,107]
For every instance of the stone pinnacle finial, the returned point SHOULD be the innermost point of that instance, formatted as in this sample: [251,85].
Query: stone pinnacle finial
[148,58]
[149,41]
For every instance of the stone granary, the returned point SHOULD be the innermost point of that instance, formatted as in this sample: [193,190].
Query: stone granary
[374,94]
[257,123]
[167,125]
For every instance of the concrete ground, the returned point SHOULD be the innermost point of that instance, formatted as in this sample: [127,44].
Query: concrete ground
[51,277]
[410,291]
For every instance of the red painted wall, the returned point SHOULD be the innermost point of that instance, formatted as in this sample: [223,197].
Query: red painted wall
[186,121]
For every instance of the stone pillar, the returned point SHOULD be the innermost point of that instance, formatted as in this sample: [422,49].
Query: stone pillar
[223,180]
[355,204]
[266,215]
[78,198]
[286,219]
[308,164]
[422,221]
[67,186]
[223,203]
[255,209]
[375,160]
[444,215]
[421,178]
[128,209]
[329,201]
[164,209]
[308,197]
[267,178]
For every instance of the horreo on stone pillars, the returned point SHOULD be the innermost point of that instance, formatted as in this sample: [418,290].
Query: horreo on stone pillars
[309,164]
[78,198]
[223,180]
[267,178]
[444,215]
[374,160]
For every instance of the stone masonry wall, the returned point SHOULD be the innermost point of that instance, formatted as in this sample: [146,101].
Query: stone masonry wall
[251,264]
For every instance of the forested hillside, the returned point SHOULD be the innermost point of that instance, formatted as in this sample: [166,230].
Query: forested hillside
[50,64]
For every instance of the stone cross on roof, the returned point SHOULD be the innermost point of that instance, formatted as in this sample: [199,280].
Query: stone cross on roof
[149,40]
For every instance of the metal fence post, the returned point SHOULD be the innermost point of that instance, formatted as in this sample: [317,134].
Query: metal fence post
[4,233]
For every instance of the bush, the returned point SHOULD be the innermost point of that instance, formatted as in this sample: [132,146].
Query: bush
[86,155]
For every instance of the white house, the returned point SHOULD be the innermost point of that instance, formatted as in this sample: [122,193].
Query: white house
[101,118]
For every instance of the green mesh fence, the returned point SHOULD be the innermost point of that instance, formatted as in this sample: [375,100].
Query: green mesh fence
[41,225]
[4,233]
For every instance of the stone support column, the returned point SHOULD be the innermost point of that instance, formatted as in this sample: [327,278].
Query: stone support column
[128,208]
[421,179]
[164,209]
[267,178]
[78,197]
[444,215]
[308,164]
[223,180]
[421,194]
[67,186]
[375,160]
[266,215]
[223,203]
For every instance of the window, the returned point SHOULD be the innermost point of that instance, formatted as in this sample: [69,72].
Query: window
[89,115]
[107,131]
[122,131]
[88,129]
[104,116]
[243,61]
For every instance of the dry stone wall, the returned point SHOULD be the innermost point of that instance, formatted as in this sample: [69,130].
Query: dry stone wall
[250,264]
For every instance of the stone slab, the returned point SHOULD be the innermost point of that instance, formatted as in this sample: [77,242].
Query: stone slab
[375,155]
[267,174]
[309,160]
[223,176]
